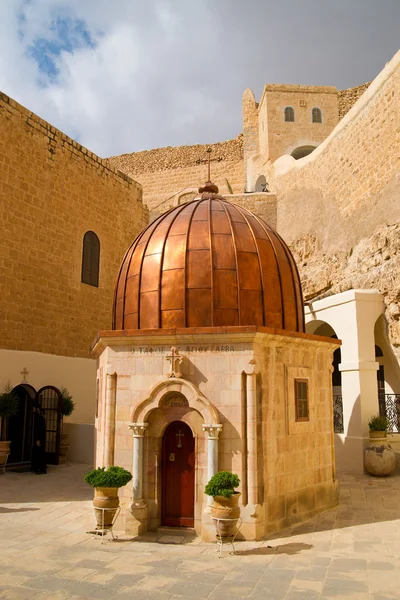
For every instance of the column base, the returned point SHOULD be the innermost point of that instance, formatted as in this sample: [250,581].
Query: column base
[349,453]
[136,518]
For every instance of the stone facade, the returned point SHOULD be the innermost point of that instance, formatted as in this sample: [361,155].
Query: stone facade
[53,190]
[241,381]
[277,137]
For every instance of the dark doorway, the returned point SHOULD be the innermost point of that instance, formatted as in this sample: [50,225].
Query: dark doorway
[178,467]
[20,426]
[50,401]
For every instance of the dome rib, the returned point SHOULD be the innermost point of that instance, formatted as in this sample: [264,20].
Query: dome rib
[208,263]
[265,229]
[211,262]
[178,212]
[228,216]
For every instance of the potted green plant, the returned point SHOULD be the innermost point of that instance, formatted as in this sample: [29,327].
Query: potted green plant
[226,501]
[9,402]
[379,457]
[378,426]
[106,483]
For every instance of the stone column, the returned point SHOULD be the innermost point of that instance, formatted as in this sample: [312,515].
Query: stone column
[212,452]
[138,430]
[251,434]
[109,434]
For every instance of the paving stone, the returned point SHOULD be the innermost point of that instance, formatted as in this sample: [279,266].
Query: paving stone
[200,590]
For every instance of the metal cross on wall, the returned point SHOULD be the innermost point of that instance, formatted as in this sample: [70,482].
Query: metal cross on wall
[175,359]
[24,372]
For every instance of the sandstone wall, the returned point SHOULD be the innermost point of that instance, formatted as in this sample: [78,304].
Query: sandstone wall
[166,173]
[52,190]
[339,207]
[347,98]
[278,137]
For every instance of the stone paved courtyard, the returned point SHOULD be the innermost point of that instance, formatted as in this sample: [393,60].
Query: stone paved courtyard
[45,552]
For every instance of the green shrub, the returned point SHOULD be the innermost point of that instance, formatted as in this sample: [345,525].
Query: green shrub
[68,404]
[222,484]
[378,423]
[111,477]
[9,402]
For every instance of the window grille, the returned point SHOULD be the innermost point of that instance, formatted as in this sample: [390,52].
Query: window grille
[316,115]
[301,399]
[90,259]
[289,114]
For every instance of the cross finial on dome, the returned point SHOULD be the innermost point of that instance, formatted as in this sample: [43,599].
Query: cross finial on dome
[209,186]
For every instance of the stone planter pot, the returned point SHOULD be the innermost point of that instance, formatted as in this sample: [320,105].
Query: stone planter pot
[105,498]
[379,457]
[226,508]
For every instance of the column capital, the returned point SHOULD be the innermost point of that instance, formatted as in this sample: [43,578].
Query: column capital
[213,430]
[138,429]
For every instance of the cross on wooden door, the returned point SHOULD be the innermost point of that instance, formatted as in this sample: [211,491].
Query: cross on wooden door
[179,435]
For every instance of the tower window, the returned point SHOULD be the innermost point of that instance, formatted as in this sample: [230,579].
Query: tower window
[301,399]
[90,259]
[289,114]
[316,115]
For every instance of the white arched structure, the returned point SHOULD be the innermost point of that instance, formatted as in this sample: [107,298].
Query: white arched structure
[352,315]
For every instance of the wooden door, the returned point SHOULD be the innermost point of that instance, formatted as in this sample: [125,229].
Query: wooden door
[178,476]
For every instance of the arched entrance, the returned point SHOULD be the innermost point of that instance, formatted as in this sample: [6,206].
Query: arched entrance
[178,476]
[302,151]
[20,426]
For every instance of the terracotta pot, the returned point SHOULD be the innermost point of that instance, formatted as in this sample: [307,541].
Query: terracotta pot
[379,456]
[105,498]
[4,451]
[377,434]
[226,508]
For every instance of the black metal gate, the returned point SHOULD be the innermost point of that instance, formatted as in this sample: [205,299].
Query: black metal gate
[50,400]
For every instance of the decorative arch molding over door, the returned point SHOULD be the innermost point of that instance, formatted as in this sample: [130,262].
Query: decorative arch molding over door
[164,389]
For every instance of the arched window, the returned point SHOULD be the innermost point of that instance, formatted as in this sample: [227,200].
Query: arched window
[289,114]
[90,259]
[316,115]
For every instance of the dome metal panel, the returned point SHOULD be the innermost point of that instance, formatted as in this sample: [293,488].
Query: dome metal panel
[208,263]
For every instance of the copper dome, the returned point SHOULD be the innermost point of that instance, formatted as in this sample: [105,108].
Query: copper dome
[208,263]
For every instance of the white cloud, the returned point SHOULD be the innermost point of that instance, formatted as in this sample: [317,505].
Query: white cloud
[169,72]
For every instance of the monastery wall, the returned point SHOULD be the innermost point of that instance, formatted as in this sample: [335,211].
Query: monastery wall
[347,98]
[53,190]
[339,207]
[167,173]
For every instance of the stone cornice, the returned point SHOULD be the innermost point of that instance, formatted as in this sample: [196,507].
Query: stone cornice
[200,335]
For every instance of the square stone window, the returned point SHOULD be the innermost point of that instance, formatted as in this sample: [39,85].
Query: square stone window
[301,399]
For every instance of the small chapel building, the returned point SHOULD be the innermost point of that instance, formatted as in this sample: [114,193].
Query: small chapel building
[208,368]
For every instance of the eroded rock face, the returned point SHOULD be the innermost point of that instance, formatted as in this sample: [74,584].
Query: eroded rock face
[374,263]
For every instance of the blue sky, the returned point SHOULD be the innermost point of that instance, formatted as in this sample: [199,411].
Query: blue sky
[139,74]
